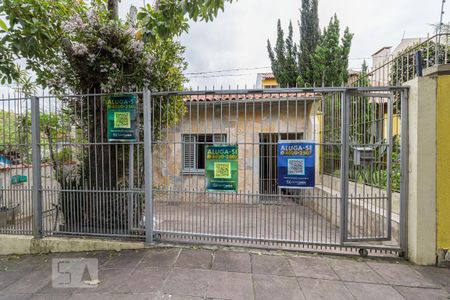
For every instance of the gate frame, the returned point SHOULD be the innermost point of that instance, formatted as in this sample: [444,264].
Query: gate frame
[345,118]
[345,157]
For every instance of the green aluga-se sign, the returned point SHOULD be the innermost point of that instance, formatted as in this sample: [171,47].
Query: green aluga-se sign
[222,168]
[121,111]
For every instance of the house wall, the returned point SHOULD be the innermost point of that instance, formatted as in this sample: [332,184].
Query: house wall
[243,124]
[396,125]
[269,83]
[422,171]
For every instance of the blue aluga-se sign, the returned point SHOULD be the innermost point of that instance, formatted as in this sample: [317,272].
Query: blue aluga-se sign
[296,164]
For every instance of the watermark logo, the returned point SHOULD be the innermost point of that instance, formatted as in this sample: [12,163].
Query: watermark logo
[75,273]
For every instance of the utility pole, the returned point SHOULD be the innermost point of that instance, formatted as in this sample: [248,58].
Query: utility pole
[440,21]
[439,31]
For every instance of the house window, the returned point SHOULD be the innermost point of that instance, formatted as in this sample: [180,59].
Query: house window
[194,149]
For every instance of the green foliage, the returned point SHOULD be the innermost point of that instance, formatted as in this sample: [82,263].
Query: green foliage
[74,46]
[64,155]
[322,58]
[403,66]
[330,59]
[169,18]
[109,54]
[309,39]
[284,58]
[363,77]
[15,130]
[373,175]
[377,175]
[57,38]
[14,135]
[32,32]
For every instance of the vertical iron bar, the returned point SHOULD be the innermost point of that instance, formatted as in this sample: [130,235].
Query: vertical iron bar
[345,101]
[131,187]
[36,162]
[389,167]
[404,175]
[148,167]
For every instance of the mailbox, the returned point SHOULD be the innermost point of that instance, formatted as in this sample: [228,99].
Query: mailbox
[363,156]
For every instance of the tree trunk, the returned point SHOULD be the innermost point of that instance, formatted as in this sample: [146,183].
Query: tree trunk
[104,169]
[113,7]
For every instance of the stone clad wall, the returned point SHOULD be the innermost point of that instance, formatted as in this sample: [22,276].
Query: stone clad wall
[242,123]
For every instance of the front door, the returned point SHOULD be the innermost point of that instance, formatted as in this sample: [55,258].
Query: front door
[268,177]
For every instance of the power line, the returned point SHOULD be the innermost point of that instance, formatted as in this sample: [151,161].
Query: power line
[245,69]
[227,70]
[222,75]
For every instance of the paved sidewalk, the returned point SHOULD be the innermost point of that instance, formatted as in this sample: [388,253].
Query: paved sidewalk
[187,273]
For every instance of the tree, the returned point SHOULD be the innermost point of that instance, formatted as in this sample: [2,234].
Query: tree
[330,59]
[74,47]
[322,59]
[291,68]
[32,33]
[309,38]
[346,44]
[283,57]
[33,29]
[363,77]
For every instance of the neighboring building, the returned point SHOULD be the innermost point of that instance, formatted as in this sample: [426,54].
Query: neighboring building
[381,70]
[353,76]
[266,81]
[381,56]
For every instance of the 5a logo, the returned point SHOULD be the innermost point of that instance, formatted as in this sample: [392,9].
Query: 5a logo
[74,273]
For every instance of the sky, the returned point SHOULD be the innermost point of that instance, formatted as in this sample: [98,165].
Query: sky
[237,39]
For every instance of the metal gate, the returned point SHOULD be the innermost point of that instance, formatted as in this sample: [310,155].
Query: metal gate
[359,196]
[61,176]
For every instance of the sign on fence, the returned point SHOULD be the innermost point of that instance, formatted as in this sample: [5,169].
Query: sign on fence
[296,164]
[121,118]
[222,168]
[18,179]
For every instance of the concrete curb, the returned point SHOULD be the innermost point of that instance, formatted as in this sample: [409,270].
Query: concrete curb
[17,244]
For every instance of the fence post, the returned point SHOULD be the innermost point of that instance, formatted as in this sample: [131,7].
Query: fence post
[404,173]
[345,124]
[148,166]
[419,63]
[36,163]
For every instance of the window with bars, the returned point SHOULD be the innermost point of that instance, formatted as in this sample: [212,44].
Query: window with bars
[194,149]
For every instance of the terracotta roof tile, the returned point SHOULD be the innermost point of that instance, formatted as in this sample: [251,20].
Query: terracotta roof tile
[248,96]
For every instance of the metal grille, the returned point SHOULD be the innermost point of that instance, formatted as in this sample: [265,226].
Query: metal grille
[16,174]
[394,69]
[351,201]
[78,183]
[90,186]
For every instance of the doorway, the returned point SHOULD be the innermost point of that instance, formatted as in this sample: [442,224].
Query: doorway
[268,173]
